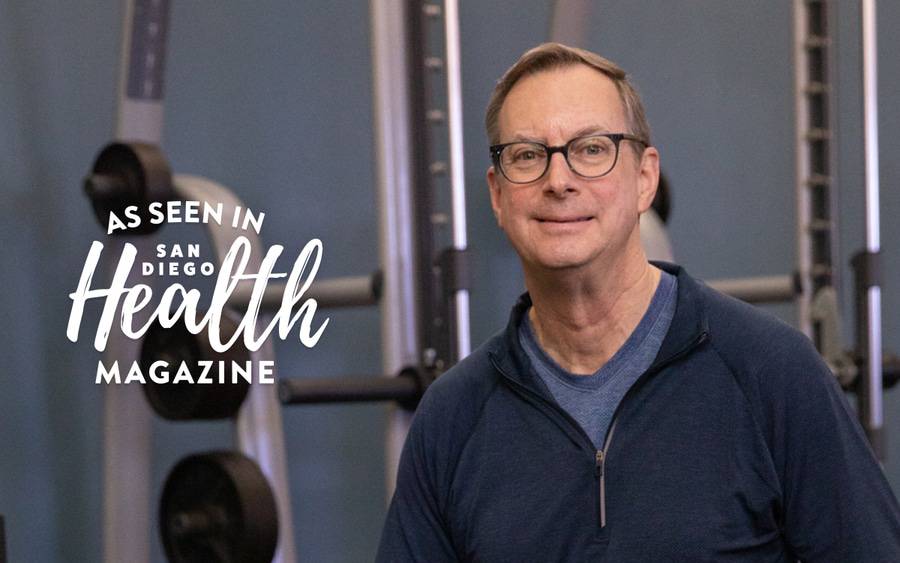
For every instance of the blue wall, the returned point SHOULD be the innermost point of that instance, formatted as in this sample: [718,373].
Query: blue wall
[262,101]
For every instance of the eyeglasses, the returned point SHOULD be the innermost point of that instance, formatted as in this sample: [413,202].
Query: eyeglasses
[590,156]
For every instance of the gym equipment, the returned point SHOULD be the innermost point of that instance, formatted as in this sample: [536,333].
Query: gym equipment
[760,289]
[391,99]
[814,284]
[127,419]
[817,228]
[826,319]
[259,432]
[127,424]
[569,22]
[351,291]
[409,215]
[129,174]
[867,263]
[662,201]
[441,264]
[655,238]
[424,306]
[255,408]
[816,200]
[406,388]
[815,171]
[186,401]
[218,507]
[189,401]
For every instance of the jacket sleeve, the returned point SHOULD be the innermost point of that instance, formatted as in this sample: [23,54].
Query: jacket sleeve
[415,528]
[838,505]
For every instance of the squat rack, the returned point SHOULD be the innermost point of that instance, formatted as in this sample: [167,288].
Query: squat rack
[417,271]
[817,207]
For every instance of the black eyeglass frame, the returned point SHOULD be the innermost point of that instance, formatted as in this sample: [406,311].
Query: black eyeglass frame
[616,138]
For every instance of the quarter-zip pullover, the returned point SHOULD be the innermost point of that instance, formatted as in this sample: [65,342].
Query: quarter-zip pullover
[736,444]
[592,399]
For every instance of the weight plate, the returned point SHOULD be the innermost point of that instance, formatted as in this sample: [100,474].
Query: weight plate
[217,507]
[129,174]
[186,400]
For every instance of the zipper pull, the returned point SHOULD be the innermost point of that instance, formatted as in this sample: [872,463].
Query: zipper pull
[599,459]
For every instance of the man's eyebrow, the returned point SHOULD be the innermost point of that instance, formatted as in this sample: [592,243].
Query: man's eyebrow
[522,138]
[590,130]
[587,130]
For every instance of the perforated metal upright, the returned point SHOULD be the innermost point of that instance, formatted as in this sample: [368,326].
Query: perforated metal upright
[419,151]
[438,174]
[817,228]
[817,192]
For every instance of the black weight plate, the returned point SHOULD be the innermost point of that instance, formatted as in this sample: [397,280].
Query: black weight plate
[186,400]
[217,507]
[126,174]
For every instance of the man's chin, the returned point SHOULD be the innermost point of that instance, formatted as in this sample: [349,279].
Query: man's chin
[562,262]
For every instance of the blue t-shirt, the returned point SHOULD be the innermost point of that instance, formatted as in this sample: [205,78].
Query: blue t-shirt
[592,399]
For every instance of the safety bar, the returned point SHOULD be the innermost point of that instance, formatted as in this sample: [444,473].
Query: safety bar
[759,289]
[406,388]
[350,291]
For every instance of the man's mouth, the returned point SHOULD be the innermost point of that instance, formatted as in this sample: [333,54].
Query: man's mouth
[564,219]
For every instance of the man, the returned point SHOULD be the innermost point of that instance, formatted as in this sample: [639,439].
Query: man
[627,412]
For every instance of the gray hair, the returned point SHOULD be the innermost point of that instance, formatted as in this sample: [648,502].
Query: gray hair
[548,56]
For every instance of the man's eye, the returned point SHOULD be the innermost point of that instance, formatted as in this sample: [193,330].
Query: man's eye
[527,155]
[593,149]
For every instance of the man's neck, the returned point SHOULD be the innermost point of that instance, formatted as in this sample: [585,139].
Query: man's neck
[581,319]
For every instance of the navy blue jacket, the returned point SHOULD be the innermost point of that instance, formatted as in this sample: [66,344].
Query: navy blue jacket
[736,445]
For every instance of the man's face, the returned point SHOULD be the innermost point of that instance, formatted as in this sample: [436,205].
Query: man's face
[563,220]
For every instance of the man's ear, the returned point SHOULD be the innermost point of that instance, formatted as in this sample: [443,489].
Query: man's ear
[494,187]
[648,178]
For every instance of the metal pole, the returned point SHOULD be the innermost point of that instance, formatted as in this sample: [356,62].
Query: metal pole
[761,289]
[394,172]
[570,22]
[802,173]
[352,291]
[873,418]
[457,167]
[347,389]
[140,115]
[127,431]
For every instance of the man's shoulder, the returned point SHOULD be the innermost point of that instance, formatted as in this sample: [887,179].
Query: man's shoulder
[734,326]
[754,342]
[735,320]
[448,414]
[466,386]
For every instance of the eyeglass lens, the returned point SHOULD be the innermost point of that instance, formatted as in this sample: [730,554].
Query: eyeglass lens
[587,156]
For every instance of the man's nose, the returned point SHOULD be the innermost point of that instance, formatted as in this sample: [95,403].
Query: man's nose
[559,175]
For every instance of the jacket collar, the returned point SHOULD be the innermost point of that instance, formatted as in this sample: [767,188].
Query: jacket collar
[689,326]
